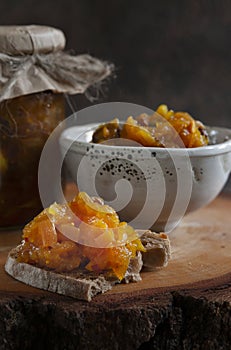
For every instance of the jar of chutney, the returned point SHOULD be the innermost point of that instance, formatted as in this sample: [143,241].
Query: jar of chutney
[35,73]
[26,118]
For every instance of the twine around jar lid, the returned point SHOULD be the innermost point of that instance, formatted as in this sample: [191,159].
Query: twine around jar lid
[32,60]
[30,39]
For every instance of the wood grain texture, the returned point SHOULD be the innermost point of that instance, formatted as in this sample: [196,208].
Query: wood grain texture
[186,305]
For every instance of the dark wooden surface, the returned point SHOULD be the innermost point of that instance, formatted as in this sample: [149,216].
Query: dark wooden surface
[186,305]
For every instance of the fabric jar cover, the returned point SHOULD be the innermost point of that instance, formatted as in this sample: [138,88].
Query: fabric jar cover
[32,60]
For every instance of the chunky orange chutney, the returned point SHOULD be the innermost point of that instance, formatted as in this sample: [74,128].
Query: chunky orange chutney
[165,128]
[84,234]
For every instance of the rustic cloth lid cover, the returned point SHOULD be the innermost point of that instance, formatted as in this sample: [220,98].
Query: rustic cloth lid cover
[32,60]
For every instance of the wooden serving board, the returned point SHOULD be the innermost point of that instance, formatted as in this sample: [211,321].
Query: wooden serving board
[193,291]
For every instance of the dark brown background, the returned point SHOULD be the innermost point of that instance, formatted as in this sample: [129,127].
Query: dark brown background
[177,52]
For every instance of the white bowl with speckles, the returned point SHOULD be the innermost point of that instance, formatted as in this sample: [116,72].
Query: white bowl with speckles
[150,187]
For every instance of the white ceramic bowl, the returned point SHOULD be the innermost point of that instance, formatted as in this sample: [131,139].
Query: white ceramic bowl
[150,187]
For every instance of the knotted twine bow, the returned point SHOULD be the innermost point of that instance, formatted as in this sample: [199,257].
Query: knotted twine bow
[57,71]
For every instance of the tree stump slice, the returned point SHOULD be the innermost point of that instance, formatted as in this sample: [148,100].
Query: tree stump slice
[186,305]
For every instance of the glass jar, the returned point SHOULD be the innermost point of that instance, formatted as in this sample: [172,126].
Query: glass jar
[25,124]
[35,73]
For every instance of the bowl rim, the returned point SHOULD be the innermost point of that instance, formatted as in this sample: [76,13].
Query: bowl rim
[209,150]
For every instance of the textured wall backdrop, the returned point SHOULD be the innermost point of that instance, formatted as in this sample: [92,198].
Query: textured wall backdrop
[178,52]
